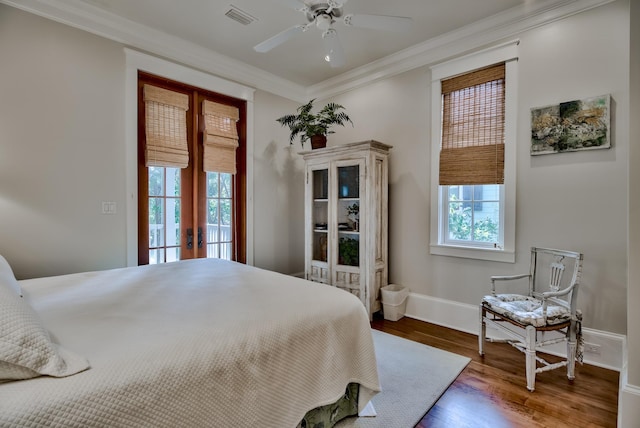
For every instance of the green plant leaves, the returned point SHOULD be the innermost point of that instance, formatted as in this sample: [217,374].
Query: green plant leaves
[306,124]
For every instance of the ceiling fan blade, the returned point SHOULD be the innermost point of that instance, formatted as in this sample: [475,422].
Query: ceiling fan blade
[279,39]
[334,53]
[379,22]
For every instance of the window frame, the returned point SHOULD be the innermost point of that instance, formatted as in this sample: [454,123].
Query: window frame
[507,53]
[137,61]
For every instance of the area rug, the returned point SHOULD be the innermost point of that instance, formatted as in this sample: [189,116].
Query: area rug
[412,376]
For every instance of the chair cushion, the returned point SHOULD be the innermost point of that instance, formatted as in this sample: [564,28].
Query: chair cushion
[526,310]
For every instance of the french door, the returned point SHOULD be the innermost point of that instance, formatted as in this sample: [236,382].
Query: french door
[187,212]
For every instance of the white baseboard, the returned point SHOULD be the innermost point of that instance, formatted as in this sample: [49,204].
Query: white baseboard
[628,402]
[465,317]
[628,399]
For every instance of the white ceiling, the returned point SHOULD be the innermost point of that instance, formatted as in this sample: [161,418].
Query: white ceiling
[198,33]
[300,59]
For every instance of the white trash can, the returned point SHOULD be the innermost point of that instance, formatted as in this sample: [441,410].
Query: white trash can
[394,301]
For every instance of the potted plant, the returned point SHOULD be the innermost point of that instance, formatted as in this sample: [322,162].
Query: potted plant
[314,127]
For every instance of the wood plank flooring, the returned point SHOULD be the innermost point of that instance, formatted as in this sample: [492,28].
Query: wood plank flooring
[491,391]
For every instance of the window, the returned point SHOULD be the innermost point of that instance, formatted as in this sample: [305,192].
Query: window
[473,155]
[473,215]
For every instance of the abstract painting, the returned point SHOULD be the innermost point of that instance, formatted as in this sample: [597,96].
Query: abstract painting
[571,126]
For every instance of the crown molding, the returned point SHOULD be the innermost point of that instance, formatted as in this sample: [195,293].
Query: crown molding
[94,20]
[497,28]
[480,34]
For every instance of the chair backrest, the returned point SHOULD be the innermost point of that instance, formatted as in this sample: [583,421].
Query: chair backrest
[555,276]
[548,267]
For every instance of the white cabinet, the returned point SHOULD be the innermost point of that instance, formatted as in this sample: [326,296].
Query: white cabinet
[346,230]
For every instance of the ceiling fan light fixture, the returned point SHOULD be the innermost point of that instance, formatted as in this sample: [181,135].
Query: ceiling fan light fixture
[324,21]
[334,53]
[322,14]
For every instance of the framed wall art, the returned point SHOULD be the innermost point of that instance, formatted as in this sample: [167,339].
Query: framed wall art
[571,126]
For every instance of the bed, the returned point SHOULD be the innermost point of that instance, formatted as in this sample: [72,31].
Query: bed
[202,342]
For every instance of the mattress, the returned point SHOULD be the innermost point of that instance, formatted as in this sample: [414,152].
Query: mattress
[195,343]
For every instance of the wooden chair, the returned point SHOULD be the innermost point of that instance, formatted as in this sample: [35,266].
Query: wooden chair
[548,306]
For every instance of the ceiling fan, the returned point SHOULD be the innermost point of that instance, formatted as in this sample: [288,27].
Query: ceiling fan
[323,14]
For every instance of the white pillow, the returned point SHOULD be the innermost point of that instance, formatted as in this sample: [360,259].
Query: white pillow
[7,276]
[26,349]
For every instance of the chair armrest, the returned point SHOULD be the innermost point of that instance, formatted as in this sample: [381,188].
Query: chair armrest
[509,277]
[549,295]
[505,278]
[562,292]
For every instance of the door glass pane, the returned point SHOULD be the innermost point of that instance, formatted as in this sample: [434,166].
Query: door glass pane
[213,214]
[213,251]
[225,212]
[164,214]
[320,186]
[156,256]
[348,212]
[212,184]
[173,254]
[173,181]
[219,216]
[225,250]
[173,221]
[349,250]
[349,181]
[156,222]
[225,185]
[156,181]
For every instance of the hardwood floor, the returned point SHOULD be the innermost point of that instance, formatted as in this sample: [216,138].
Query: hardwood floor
[491,391]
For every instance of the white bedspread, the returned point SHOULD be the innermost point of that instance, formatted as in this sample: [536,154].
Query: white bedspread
[198,343]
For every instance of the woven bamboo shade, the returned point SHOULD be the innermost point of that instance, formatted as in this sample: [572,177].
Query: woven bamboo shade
[166,127]
[472,149]
[221,137]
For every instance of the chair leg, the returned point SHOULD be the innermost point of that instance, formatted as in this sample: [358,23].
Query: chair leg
[531,357]
[571,352]
[483,331]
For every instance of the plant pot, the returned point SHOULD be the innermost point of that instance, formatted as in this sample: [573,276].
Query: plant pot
[318,141]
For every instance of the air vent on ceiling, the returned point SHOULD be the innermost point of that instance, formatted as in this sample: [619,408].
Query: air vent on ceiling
[239,15]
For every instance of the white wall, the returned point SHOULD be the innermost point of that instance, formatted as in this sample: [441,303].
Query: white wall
[62,152]
[572,200]
[579,202]
[61,147]
[279,189]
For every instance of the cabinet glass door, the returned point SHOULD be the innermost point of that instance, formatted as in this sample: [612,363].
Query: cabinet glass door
[320,213]
[348,211]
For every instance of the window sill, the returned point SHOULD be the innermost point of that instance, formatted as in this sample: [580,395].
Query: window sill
[489,254]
